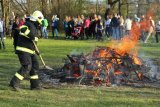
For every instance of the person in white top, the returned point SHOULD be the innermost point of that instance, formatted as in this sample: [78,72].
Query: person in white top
[121,27]
[107,26]
[150,29]
[128,25]
[2,43]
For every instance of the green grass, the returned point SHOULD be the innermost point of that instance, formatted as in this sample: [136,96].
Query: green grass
[53,52]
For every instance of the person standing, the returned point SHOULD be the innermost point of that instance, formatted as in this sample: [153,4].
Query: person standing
[86,27]
[15,32]
[21,22]
[157,31]
[9,27]
[79,21]
[107,27]
[25,50]
[55,21]
[2,43]
[143,26]
[93,26]
[128,26]
[66,28]
[99,28]
[121,29]
[136,18]
[115,27]
[151,28]
[44,28]
[71,25]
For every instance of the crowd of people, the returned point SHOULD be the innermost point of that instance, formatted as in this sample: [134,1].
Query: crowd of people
[113,27]
[84,27]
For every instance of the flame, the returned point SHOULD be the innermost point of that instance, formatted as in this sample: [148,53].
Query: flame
[118,72]
[140,75]
[128,43]
[102,53]
[92,72]
[109,66]
[136,59]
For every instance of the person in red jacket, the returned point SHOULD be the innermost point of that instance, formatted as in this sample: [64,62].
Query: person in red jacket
[86,26]
[22,21]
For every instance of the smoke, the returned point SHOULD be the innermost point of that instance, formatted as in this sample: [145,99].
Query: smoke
[76,52]
[154,72]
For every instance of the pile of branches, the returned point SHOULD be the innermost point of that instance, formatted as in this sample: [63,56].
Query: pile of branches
[102,66]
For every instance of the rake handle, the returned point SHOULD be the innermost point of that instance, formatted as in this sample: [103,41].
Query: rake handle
[39,53]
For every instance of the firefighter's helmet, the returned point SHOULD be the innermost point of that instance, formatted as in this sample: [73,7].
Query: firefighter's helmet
[36,16]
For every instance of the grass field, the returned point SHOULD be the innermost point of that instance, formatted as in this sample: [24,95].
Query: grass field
[53,52]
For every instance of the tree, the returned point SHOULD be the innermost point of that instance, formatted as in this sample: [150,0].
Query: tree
[5,7]
[44,7]
[111,6]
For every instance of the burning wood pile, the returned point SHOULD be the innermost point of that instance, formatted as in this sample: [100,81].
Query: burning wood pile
[114,65]
[104,66]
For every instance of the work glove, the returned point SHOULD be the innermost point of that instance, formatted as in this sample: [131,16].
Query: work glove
[36,39]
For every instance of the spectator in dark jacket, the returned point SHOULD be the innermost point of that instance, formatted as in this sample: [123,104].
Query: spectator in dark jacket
[66,27]
[71,25]
[115,27]
[157,31]
[55,21]
[93,26]
[15,31]
[99,29]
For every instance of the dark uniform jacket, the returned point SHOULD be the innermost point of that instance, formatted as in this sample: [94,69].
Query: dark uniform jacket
[15,33]
[26,41]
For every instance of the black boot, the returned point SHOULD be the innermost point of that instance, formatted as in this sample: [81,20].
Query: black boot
[14,83]
[35,85]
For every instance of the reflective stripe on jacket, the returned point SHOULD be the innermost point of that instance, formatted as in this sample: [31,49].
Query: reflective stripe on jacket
[18,48]
[26,32]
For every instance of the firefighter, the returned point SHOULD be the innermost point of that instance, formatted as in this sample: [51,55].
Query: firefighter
[26,52]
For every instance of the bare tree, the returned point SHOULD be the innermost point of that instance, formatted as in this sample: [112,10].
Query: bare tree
[5,5]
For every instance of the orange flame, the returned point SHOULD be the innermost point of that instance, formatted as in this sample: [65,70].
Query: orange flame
[136,59]
[130,42]
[117,72]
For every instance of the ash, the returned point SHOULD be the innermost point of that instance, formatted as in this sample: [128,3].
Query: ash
[104,67]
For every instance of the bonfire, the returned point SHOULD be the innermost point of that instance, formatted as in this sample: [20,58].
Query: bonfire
[116,64]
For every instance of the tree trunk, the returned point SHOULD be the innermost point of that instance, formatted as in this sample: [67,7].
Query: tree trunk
[44,7]
[5,5]
[2,7]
